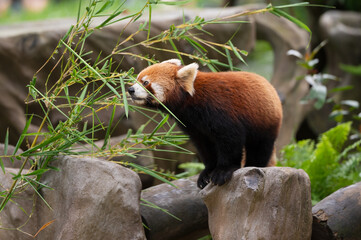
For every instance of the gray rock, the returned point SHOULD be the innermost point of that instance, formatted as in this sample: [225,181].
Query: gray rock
[14,163]
[18,213]
[144,158]
[92,199]
[184,202]
[338,216]
[261,203]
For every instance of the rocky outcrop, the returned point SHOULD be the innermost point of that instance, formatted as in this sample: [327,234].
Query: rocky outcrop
[90,199]
[338,216]
[261,203]
[143,158]
[18,220]
[187,216]
[11,162]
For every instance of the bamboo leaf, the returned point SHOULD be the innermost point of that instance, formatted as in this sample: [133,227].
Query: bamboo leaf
[292,19]
[2,165]
[229,59]
[105,6]
[151,173]
[171,3]
[152,205]
[107,134]
[125,100]
[91,68]
[237,53]
[42,198]
[160,124]
[36,172]
[23,134]
[42,144]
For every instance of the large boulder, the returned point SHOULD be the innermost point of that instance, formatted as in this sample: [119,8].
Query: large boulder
[89,199]
[338,216]
[180,212]
[12,162]
[92,199]
[18,219]
[261,203]
[143,158]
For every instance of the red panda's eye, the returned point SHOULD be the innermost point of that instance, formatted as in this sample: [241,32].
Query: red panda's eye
[145,83]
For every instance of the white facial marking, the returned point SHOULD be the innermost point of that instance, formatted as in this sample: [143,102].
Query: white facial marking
[139,102]
[139,91]
[158,92]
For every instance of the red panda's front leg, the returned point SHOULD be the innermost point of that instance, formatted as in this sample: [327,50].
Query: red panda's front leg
[208,155]
[229,157]
[221,158]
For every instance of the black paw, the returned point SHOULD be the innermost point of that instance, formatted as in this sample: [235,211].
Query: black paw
[203,179]
[222,175]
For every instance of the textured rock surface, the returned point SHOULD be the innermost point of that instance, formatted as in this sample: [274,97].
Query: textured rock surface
[338,216]
[143,158]
[92,199]
[15,163]
[261,203]
[13,216]
[183,202]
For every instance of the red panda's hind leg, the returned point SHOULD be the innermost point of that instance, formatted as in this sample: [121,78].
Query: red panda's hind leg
[258,153]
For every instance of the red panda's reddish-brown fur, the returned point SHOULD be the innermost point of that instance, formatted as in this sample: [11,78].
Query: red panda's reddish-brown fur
[222,112]
[247,94]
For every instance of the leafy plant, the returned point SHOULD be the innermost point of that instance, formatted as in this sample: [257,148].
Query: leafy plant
[317,81]
[190,169]
[329,165]
[319,93]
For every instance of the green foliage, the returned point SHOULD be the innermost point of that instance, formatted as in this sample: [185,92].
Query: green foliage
[356,70]
[190,169]
[317,81]
[329,165]
[319,94]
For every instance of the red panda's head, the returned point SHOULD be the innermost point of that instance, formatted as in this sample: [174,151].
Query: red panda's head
[162,80]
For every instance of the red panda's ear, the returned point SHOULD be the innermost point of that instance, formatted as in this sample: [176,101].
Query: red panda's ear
[186,76]
[173,61]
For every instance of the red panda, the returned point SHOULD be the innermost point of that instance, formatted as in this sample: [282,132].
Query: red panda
[223,113]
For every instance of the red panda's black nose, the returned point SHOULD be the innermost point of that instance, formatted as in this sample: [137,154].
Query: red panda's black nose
[131,90]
